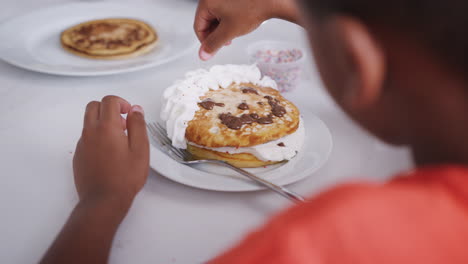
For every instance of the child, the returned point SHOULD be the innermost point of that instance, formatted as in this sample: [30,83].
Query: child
[396,67]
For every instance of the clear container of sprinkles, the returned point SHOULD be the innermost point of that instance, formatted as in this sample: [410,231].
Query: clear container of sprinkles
[282,61]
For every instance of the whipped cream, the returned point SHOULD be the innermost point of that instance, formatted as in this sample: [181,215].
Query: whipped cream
[271,151]
[180,101]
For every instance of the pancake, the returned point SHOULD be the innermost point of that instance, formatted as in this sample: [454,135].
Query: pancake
[242,102]
[241,160]
[225,116]
[113,38]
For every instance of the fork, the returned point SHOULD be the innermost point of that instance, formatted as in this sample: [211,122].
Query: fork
[159,134]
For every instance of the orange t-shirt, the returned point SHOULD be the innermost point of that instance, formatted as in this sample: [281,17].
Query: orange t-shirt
[419,217]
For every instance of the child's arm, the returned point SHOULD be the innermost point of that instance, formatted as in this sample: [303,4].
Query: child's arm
[217,22]
[110,169]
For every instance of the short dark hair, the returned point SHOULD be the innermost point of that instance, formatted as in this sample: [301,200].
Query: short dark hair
[440,25]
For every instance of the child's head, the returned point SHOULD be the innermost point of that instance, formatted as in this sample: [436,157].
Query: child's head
[397,66]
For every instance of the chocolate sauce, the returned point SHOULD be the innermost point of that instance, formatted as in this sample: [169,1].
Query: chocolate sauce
[234,122]
[247,119]
[208,104]
[276,109]
[90,33]
[243,106]
[101,27]
[231,121]
[86,30]
[281,144]
[249,90]
[265,120]
[254,116]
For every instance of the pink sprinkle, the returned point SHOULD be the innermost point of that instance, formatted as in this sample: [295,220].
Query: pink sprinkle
[277,56]
[280,66]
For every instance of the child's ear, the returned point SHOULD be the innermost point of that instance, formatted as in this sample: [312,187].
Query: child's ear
[364,59]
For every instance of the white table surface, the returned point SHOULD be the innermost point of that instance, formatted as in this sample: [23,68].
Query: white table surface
[40,122]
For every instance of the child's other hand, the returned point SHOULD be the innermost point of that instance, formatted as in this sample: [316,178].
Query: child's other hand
[217,22]
[108,164]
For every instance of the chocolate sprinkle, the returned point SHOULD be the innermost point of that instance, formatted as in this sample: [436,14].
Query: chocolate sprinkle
[281,144]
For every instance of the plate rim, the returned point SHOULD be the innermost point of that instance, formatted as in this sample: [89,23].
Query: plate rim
[251,187]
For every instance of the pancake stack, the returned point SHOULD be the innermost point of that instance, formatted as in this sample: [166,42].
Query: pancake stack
[221,114]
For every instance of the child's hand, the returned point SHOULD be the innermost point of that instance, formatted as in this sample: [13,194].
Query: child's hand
[217,22]
[108,164]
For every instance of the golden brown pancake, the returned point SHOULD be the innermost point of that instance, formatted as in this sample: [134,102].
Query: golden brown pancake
[241,160]
[242,115]
[113,38]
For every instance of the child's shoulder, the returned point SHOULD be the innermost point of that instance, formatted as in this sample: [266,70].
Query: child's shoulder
[417,192]
[340,225]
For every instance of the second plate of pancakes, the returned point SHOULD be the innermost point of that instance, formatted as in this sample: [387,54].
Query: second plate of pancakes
[37,46]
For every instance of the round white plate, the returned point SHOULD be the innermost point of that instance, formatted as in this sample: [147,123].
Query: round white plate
[314,154]
[32,41]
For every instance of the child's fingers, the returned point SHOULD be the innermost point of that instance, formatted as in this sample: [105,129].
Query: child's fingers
[220,36]
[112,107]
[203,23]
[212,27]
[91,113]
[136,127]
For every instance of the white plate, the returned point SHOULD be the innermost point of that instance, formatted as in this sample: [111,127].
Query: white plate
[314,154]
[32,41]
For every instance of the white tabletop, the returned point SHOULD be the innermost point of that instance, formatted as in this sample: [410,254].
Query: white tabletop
[40,122]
